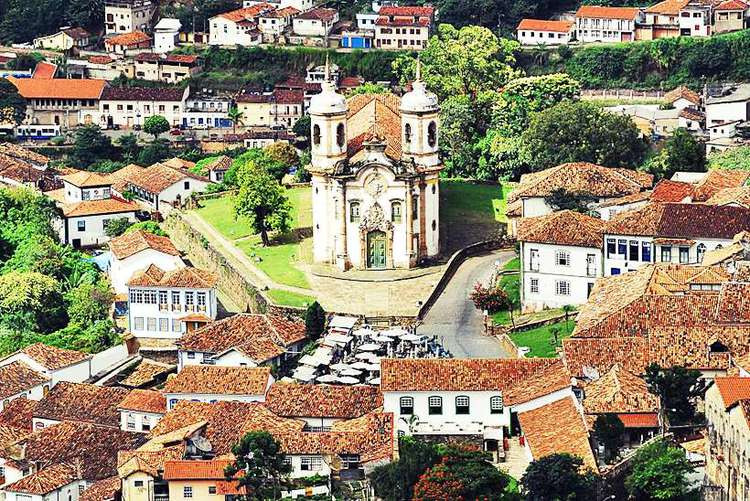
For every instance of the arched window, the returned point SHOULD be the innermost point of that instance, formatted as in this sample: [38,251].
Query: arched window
[396,211]
[496,405]
[462,404]
[701,252]
[434,225]
[414,206]
[432,134]
[407,133]
[406,405]
[719,246]
[354,212]
[316,134]
[435,405]
[340,135]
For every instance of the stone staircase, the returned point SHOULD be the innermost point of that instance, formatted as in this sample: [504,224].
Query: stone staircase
[515,459]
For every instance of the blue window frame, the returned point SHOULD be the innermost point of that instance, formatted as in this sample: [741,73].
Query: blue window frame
[614,271]
[646,252]
[622,247]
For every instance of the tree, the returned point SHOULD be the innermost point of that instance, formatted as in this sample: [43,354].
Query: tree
[12,105]
[261,464]
[463,473]
[302,127]
[682,152]
[561,199]
[262,200]
[558,477]
[236,116]
[659,472]
[41,254]
[148,227]
[395,481]
[156,125]
[578,131]
[116,227]
[89,303]
[283,153]
[464,61]
[90,146]
[677,389]
[369,88]
[489,299]
[30,301]
[315,320]
[154,152]
[129,145]
[609,430]
[733,158]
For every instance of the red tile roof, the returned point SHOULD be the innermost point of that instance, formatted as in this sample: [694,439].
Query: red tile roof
[195,470]
[102,490]
[667,190]
[189,277]
[217,380]
[166,94]
[289,96]
[147,372]
[134,242]
[46,480]
[129,39]
[18,413]
[59,88]
[84,179]
[668,7]
[100,59]
[682,92]
[247,13]
[145,401]
[619,391]
[406,10]
[17,377]
[594,11]
[544,25]
[733,389]
[374,116]
[82,402]
[113,205]
[44,70]
[717,180]
[732,5]
[324,401]
[562,228]
[320,14]
[385,21]
[158,177]
[639,420]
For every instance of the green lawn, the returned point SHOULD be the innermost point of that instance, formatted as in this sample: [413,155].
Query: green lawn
[219,212]
[540,340]
[277,261]
[513,265]
[287,298]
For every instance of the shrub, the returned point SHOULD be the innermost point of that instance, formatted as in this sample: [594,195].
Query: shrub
[489,299]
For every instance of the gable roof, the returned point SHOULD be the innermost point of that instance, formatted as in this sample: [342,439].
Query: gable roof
[46,480]
[132,38]
[59,88]
[148,371]
[732,5]
[667,190]
[718,179]
[247,13]
[733,389]
[619,391]
[18,413]
[114,93]
[158,177]
[370,117]
[102,490]
[17,377]
[562,228]
[668,7]
[545,25]
[319,14]
[195,470]
[406,10]
[731,196]
[82,402]
[189,277]
[84,179]
[144,401]
[681,92]
[218,380]
[133,242]
[594,11]
[113,205]
[321,400]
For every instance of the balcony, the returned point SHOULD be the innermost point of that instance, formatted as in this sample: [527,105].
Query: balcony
[161,497]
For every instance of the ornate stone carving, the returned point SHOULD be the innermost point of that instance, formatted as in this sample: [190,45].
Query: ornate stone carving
[375,185]
[375,220]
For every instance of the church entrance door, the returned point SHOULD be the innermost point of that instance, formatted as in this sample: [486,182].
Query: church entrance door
[376,249]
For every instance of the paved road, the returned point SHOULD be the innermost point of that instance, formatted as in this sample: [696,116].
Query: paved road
[455,320]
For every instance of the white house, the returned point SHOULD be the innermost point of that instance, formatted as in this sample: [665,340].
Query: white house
[730,105]
[166,35]
[533,32]
[683,97]
[561,258]
[375,168]
[300,5]
[274,23]
[162,303]
[607,24]
[131,106]
[161,186]
[18,380]
[205,109]
[59,481]
[136,250]
[57,364]
[218,168]
[64,40]
[237,27]
[242,340]
[317,22]
[205,383]
[88,204]
[141,410]
[468,398]
[669,233]
[125,16]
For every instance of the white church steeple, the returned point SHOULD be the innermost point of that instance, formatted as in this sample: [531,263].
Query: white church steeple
[419,123]
[328,122]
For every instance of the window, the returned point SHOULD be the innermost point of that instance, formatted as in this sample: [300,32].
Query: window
[175,297]
[131,422]
[684,255]
[406,405]
[666,254]
[496,404]
[534,287]
[414,209]
[633,250]
[189,300]
[562,288]
[212,489]
[646,252]
[187,491]
[149,297]
[407,133]
[534,259]
[432,134]
[81,226]
[201,297]
[621,246]
[164,325]
[396,212]
[316,134]
[162,297]
[138,483]
[591,265]
[354,212]
[138,323]
[435,405]
[187,185]
[701,251]
[340,136]
[610,247]
[136,296]
[462,405]
[614,271]
[311,463]
[151,323]
[562,258]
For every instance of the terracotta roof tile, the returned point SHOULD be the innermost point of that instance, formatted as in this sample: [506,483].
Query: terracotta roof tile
[84,179]
[10,435]
[222,163]
[731,196]
[113,205]
[545,25]
[159,177]
[145,401]
[406,10]
[319,400]
[593,11]
[400,21]
[667,190]
[18,413]
[508,376]
[717,180]
[247,13]
[134,242]
[584,355]
[147,372]
[82,402]
[46,480]
[17,377]
[44,70]
[733,389]
[128,39]
[693,114]
[639,419]
[59,88]
[543,427]
[100,59]
[165,94]
[682,92]
[732,5]
[668,7]
[195,470]
[102,490]
[217,380]
[374,116]
[21,153]
[562,228]
[619,391]
[190,277]
[320,14]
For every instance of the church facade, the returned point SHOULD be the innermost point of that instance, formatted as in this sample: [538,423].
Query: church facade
[375,188]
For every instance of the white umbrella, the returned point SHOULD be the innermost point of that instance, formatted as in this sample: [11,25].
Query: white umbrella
[362,332]
[340,366]
[360,365]
[375,380]
[348,380]
[382,339]
[327,378]
[351,372]
[369,347]
[412,338]
[365,356]
[396,332]
[373,367]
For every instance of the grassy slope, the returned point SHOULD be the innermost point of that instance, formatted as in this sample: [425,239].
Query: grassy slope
[540,339]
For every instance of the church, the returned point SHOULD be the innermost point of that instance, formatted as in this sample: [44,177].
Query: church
[375,169]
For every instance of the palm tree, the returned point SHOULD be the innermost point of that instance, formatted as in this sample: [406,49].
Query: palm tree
[236,116]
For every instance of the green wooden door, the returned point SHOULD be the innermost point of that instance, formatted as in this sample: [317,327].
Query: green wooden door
[376,249]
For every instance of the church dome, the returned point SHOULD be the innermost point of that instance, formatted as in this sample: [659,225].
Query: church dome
[419,100]
[328,101]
